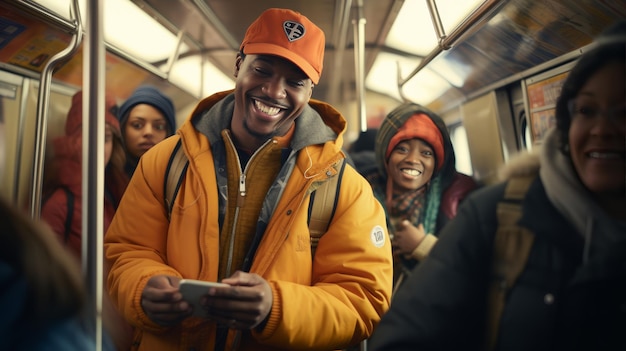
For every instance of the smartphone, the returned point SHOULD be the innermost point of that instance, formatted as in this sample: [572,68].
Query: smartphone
[193,290]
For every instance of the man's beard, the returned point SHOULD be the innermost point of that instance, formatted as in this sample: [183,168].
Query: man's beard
[257,135]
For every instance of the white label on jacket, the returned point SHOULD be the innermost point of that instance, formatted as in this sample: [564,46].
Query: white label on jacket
[378,236]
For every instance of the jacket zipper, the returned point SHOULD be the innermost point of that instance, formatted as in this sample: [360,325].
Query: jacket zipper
[240,201]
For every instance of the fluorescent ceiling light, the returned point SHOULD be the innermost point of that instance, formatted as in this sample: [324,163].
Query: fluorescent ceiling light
[60,7]
[184,71]
[413,30]
[128,28]
[425,87]
[383,76]
[422,89]
[453,72]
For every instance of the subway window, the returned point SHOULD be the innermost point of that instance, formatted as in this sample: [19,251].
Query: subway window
[458,136]
[527,135]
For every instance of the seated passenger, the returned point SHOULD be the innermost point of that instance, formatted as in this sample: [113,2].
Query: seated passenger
[416,181]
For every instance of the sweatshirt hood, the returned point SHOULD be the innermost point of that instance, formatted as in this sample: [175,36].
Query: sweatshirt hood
[318,123]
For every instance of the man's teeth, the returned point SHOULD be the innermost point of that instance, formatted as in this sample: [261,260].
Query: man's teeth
[411,172]
[266,109]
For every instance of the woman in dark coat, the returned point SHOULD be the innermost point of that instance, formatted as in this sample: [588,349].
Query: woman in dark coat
[571,292]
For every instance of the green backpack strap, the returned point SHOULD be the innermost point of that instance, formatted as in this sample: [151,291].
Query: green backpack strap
[322,206]
[511,248]
[176,168]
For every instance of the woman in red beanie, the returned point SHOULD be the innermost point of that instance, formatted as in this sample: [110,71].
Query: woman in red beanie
[416,181]
[63,189]
[62,208]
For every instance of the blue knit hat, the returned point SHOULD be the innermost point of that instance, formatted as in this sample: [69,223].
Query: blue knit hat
[152,96]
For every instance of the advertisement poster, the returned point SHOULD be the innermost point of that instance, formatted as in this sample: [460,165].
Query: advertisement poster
[542,95]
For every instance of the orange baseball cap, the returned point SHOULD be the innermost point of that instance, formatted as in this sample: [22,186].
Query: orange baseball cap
[290,35]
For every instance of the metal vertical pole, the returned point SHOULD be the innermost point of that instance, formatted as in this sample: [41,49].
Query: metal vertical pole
[93,161]
[359,60]
[43,100]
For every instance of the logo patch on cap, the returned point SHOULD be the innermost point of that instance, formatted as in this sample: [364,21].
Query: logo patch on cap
[293,30]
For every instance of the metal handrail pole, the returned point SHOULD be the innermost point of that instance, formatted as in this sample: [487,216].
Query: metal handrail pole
[93,162]
[43,100]
[359,58]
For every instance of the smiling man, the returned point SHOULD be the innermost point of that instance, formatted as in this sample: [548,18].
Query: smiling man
[241,215]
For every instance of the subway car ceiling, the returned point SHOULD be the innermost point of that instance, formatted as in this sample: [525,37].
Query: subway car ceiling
[478,47]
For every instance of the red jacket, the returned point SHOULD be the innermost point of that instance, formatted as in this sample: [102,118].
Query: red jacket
[460,187]
[55,207]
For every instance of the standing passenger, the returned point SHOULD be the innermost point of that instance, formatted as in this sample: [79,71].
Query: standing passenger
[146,117]
[42,293]
[571,292]
[241,215]
[416,181]
[62,208]
[362,151]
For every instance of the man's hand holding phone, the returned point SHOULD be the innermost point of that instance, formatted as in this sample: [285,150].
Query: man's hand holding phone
[242,301]
[194,290]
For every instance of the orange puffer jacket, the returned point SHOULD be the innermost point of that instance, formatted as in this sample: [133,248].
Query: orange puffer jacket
[327,303]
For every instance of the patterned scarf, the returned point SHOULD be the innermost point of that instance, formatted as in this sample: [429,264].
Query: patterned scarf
[420,206]
[408,205]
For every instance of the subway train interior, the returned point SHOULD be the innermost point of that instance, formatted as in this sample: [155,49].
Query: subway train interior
[491,69]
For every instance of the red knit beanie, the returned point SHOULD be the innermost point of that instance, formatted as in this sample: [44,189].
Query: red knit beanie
[74,120]
[421,127]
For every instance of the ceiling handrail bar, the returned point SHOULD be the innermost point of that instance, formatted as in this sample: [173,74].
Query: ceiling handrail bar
[43,101]
[472,23]
[48,16]
[439,30]
[174,56]
[217,24]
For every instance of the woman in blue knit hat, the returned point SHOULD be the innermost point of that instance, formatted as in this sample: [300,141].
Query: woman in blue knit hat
[146,118]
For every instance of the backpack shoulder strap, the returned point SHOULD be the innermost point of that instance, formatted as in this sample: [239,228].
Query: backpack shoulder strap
[176,168]
[321,211]
[70,214]
[511,248]
[322,206]
[69,217]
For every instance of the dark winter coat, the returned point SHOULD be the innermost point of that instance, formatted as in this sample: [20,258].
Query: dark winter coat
[558,302]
